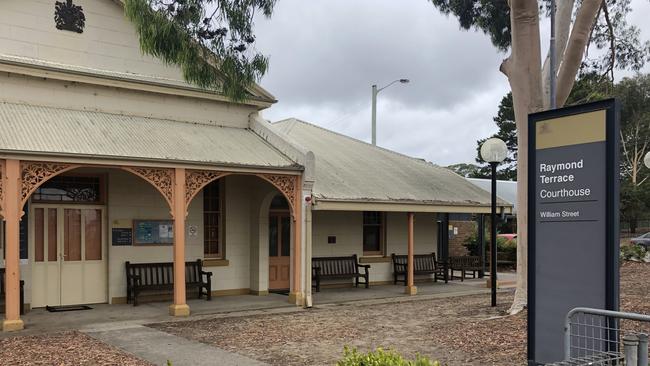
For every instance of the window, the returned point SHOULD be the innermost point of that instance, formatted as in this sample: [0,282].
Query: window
[212,233]
[373,233]
[71,189]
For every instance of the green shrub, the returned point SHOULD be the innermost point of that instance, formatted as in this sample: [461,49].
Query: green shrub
[352,357]
[633,252]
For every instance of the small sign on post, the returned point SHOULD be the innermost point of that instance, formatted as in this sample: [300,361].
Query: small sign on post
[573,199]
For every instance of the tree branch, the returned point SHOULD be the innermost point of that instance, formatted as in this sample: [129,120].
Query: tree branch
[575,49]
[612,45]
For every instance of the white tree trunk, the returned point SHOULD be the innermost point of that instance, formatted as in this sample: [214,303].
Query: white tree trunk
[523,69]
[524,72]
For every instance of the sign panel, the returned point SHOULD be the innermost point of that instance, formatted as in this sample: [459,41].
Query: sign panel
[573,220]
[121,236]
[151,232]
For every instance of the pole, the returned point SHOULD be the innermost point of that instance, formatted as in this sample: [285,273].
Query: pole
[481,243]
[553,57]
[374,114]
[493,236]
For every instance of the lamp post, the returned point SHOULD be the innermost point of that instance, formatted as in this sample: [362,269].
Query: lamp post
[376,91]
[493,151]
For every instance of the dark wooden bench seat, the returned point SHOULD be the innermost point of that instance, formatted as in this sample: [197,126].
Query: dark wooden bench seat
[465,264]
[160,277]
[423,264]
[338,267]
[3,293]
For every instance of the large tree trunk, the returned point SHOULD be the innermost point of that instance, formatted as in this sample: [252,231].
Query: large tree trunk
[524,72]
[523,69]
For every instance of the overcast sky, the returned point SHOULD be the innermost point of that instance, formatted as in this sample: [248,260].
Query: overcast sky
[326,54]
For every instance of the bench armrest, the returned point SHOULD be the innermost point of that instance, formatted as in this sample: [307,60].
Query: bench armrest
[205,273]
[363,265]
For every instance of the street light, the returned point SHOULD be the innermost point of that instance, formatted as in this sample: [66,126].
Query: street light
[494,151]
[646,160]
[376,91]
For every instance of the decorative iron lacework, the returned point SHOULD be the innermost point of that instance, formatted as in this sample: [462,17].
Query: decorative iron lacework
[69,17]
[34,173]
[162,179]
[285,184]
[195,180]
[2,186]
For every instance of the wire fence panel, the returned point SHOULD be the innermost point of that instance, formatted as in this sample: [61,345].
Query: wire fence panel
[603,337]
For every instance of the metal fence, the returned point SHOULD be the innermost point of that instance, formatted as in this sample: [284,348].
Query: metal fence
[602,337]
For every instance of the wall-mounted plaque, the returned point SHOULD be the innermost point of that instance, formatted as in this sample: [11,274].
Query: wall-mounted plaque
[121,236]
[153,232]
[68,16]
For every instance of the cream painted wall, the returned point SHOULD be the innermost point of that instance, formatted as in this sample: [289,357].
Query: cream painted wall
[348,228]
[108,42]
[132,198]
[29,90]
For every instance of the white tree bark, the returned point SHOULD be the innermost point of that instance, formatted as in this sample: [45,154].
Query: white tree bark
[576,47]
[564,10]
[524,72]
[523,69]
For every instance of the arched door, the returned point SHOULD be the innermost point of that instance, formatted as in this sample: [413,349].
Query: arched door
[279,244]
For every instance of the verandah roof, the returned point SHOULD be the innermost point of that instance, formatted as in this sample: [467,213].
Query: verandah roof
[46,130]
[349,172]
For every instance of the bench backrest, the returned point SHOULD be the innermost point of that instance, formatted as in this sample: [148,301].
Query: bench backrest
[421,262]
[467,261]
[2,282]
[162,273]
[331,266]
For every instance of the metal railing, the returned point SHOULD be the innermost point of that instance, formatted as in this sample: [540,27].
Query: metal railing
[596,337]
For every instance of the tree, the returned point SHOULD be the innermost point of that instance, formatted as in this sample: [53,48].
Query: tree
[589,87]
[468,170]
[634,94]
[212,41]
[514,25]
[505,121]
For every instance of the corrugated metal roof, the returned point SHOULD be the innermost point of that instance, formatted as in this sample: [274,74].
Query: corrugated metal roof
[351,170]
[506,190]
[39,129]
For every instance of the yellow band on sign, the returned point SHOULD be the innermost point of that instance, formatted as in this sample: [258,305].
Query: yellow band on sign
[571,130]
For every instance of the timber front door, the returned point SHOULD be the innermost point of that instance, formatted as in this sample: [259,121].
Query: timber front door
[279,250]
[68,254]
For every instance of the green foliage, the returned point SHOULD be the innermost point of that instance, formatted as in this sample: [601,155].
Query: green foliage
[505,121]
[468,170]
[633,252]
[352,357]
[210,40]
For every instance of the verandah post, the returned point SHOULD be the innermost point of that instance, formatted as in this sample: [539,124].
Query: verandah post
[12,213]
[179,307]
[296,296]
[410,287]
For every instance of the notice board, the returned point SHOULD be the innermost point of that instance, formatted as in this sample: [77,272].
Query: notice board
[573,199]
[153,232]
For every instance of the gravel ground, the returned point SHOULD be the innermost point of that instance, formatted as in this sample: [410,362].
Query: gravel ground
[63,349]
[457,331]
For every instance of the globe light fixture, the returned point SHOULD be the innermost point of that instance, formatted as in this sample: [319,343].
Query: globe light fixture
[494,151]
[646,160]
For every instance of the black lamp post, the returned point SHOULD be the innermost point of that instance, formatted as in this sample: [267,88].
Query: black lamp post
[493,151]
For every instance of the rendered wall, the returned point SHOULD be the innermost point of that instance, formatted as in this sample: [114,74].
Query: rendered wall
[347,226]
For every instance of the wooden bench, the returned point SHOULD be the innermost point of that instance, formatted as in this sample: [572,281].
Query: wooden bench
[338,267]
[465,264]
[160,277]
[423,264]
[3,293]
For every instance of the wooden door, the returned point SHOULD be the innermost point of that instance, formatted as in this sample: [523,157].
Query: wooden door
[279,250]
[69,262]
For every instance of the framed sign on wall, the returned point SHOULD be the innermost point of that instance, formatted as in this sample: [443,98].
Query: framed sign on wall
[153,232]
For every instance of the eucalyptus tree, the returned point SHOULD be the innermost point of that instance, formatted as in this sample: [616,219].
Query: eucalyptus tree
[212,41]
[514,27]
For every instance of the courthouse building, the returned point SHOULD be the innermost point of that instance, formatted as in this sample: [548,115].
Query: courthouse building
[108,156]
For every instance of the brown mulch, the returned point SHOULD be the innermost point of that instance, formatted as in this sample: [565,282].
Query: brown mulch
[457,331]
[63,349]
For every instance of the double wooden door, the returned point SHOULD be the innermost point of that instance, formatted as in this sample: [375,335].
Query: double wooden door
[279,250]
[68,255]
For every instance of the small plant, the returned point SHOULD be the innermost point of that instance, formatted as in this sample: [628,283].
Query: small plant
[633,252]
[379,357]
